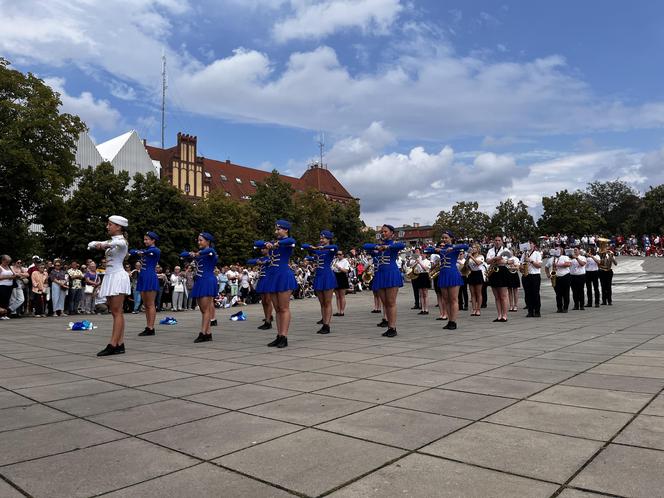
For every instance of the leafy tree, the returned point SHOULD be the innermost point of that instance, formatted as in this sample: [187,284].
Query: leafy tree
[83,216]
[652,213]
[347,226]
[313,212]
[154,204]
[513,220]
[233,223]
[617,203]
[272,200]
[37,145]
[569,213]
[465,220]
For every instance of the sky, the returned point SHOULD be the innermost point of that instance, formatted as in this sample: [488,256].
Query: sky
[420,103]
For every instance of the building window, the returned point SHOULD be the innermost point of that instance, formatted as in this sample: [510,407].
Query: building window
[239,180]
[253,183]
[223,178]
[246,197]
[186,188]
[208,175]
[227,194]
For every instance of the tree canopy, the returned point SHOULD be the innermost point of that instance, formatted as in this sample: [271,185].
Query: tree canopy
[513,220]
[570,213]
[465,220]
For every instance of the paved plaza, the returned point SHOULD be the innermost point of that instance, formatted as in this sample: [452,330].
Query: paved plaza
[568,405]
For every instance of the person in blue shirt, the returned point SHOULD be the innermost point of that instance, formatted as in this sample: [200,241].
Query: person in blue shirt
[449,278]
[279,279]
[325,281]
[205,282]
[387,277]
[263,262]
[147,283]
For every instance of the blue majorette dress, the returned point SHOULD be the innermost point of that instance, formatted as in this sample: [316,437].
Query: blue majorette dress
[324,278]
[449,275]
[278,276]
[147,277]
[387,273]
[205,281]
[262,263]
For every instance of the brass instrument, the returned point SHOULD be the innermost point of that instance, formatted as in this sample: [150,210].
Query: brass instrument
[554,272]
[506,253]
[435,270]
[368,275]
[410,273]
[603,253]
[465,269]
[524,267]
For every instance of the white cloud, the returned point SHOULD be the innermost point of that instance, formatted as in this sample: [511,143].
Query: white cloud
[351,151]
[98,114]
[316,20]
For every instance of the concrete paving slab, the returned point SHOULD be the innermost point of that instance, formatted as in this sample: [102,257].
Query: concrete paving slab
[575,493]
[243,396]
[624,471]
[145,418]
[616,383]
[371,391]
[58,437]
[395,426]
[203,481]
[306,381]
[310,461]
[357,370]
[422,475]
[208,367]
[454,403]
[539,455]
[619,401]
[115,369]
[27,416]
[188,386]
[54,392]
[456,366]
[106,402]
[564,365]
[43,379]
[305,364]
[308,409]
[424,378]
[656,407]
[508,388]
[545,375]
[252,374]
[86,472]
[145,377]
[560,419]
[216,436]
[9,399]
[645,430]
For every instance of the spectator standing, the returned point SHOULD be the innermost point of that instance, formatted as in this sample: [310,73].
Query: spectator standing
[59,287]
[19,292]
[177,284]
[75,287]
[39,280]
[92,281]
[7,282]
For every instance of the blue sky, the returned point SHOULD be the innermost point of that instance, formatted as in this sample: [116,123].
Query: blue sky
[423,103]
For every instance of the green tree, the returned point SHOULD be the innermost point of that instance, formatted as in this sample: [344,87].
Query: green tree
[652,213]
[37,147]
[272,200]
[569,213]
[154,204]
[347,225]
[616,203]
[233,223]
[465,220]
[513,220]
[313,212]
[100,193]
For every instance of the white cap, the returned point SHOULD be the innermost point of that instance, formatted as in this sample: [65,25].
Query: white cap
[119,220]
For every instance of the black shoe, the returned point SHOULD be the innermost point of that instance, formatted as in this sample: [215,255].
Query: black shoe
[442,318]
[338,314]
[525,307]
[565,311]
[450,326]
[383,323]
[119,349]
[325,329]
[147,331]
[201,338]
[275,342]
[483,306]
[415,308]
[283,343]
[497,320]
[576,308]
[266,325]
[582,308]
[530,315]
[610,303]
[425,313]
[319,322]
[108,351]
[390,333]
[537,314]
[213,323]
[604,304]
[596,305]
[376,311]
[503,320]
[589,305]
[559,310]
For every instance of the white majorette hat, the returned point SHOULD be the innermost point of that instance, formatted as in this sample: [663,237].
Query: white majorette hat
[119,220]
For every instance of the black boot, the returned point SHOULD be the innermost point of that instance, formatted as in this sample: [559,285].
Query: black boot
[325,329]
[266,325]
[146,332]
[283,343]
[390,333]
[201,338]
[383,323]
[275,342]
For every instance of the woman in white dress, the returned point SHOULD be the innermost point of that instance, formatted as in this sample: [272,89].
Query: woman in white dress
[115,285]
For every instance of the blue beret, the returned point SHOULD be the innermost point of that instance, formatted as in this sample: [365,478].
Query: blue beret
[448,232]
[389,226]
[283,224]
[207,236]
[327,234]
[152,235]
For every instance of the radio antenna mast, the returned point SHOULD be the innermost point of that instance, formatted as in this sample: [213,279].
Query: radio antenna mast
[163,96]
[321,147]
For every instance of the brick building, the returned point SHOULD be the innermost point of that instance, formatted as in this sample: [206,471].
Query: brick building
[197,176]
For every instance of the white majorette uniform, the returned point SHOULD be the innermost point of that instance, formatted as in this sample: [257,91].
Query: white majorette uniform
[116,279]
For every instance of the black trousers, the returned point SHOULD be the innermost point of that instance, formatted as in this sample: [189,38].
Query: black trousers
[606,281]
[485,297]
[578,282]
[463,295]
[562,292]
[416,293]
[592,284]
[531,291]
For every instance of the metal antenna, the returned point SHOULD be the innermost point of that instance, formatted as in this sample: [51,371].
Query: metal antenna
[321,146]
[163,96]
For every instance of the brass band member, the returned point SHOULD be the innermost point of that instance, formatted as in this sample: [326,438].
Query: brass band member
[422,282]
[435,260]
[449,278]
[498,277]
[592,278]
[559,263]
[513,283]
[475,279]
[607,262]
[578,278]
[531,264]
[463,288]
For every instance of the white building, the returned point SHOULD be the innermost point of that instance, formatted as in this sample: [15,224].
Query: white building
[126,153]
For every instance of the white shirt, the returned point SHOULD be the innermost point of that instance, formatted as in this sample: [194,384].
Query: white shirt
[535,257]
[591,264]
[115,254]
[476,266]
[493,252]
[561,271]
[340,264]
[231,275]
[577,268]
